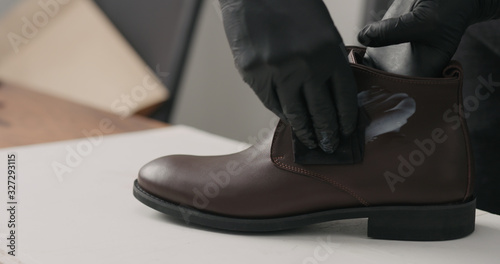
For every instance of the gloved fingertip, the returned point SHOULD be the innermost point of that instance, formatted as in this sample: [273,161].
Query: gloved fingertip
[310,144]
[306,137]
[363,37]
[328,149]
[328,142]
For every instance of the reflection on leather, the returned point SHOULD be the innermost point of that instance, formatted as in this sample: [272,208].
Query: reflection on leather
[388,111]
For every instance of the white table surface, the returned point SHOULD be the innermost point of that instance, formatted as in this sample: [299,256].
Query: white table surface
[91,216]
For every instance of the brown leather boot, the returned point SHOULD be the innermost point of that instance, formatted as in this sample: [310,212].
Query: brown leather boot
[415,182]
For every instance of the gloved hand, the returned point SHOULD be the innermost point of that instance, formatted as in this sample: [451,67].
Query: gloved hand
[293,57]
[437,24]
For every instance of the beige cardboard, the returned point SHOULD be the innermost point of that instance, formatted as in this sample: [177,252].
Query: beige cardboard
[77,54]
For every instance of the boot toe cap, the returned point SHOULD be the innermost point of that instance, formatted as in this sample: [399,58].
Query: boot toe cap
[161,178]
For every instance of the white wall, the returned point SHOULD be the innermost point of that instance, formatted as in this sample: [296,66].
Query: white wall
[6,5]
[214,98]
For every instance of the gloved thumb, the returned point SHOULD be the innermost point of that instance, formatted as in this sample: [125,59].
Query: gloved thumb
[391,31]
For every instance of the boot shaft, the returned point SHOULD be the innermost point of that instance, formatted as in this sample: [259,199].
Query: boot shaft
[417,148]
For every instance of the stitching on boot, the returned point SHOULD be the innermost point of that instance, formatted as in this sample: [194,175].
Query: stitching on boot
[277,161]
[320,177]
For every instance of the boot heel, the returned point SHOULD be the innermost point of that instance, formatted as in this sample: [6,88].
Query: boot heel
[423,223]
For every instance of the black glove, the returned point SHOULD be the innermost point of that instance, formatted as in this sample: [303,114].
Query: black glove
[437,26]
[293,57]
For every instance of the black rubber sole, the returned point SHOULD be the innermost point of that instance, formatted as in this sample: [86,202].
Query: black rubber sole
[413,223]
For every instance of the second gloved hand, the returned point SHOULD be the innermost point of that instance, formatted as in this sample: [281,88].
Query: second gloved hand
[436,26]
[293,57]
